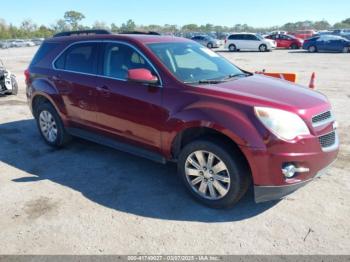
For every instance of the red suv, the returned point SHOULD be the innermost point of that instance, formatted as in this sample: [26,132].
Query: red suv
[171,99]
[286,41]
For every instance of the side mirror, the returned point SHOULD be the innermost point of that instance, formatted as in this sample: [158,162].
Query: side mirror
[142,75]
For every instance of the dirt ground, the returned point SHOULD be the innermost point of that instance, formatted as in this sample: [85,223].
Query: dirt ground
[89,199]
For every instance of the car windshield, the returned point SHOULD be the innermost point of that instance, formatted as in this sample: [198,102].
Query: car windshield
[193,63]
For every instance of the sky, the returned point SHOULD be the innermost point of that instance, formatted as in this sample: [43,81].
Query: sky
[224,12]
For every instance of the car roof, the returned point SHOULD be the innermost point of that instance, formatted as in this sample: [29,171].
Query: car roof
[243,33]
[139,38]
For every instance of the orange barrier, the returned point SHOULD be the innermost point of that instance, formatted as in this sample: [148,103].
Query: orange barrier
[291,77]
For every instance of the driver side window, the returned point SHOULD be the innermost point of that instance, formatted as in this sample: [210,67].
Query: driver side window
[119,58]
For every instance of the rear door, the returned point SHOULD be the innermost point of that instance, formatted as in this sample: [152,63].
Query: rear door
[284,41]
[76,80]
[336,45]
[239,41]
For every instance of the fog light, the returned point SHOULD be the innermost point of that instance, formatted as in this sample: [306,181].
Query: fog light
[289,170]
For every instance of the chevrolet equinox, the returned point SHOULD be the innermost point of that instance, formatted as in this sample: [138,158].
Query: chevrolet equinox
[171,99]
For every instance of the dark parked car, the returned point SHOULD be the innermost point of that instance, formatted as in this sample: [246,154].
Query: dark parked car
[328,43]
[207,41]
[342,32]
[171,99]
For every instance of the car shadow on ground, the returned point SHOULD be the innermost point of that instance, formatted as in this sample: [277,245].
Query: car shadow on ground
[111,178]
[307,52]
[241,51]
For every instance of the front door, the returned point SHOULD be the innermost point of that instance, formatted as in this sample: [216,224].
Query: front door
[130,110]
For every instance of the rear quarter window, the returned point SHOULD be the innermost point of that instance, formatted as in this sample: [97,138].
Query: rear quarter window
[80,58]
[43,52]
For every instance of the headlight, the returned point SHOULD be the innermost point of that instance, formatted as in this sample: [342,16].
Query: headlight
[282,123]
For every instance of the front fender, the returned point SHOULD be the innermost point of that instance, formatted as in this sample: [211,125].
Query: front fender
[236,122]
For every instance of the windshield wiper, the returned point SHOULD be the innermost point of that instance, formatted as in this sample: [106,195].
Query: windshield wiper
[234,75]
[205,81]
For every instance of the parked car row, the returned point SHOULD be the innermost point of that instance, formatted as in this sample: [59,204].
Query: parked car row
[20,43]
[328,41]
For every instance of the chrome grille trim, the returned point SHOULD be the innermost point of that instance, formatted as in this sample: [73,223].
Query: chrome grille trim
[322,119]
[329,142]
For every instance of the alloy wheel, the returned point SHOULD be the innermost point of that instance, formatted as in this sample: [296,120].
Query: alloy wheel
[48,126]
[207,175]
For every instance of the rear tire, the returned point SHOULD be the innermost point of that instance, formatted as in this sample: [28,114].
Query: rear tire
[294,46]
[50,125]
[232,48]
[263,48]
[202,175]
[312,49]
[210,45]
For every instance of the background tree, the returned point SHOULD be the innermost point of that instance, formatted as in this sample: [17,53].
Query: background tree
[73,18]
[128,26]
[100,25]
[60,26]
[114,28]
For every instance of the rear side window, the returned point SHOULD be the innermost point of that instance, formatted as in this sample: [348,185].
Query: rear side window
[81,58]
[42,53]
[233,37]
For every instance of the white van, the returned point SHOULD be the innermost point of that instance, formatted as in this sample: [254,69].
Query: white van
[249,41]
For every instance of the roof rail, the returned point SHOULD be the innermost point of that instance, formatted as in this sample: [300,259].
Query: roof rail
[139,33]
[84,32]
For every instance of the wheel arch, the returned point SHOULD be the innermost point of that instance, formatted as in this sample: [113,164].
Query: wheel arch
[193,133]
[43,91]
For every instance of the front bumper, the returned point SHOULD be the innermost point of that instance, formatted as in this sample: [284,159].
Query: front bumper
[268,193]
[266,166]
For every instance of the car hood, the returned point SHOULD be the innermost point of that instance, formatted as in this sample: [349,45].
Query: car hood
[259,90]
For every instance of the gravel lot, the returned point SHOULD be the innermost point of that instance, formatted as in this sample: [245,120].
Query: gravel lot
[89,199]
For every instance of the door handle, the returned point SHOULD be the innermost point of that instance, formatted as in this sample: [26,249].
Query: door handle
[56,78]
[104,90]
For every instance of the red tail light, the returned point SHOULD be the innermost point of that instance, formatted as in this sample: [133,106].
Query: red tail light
[26,75]
[225,40]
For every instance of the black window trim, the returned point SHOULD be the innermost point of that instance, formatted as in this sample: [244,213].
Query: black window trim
[160,84]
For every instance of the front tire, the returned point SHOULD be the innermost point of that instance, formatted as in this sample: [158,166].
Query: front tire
[312,49]
[263,48]
[50,125]
[210,45]
[213,173]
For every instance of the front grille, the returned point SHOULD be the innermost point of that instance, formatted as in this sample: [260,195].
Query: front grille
[322,118]
[327,140]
